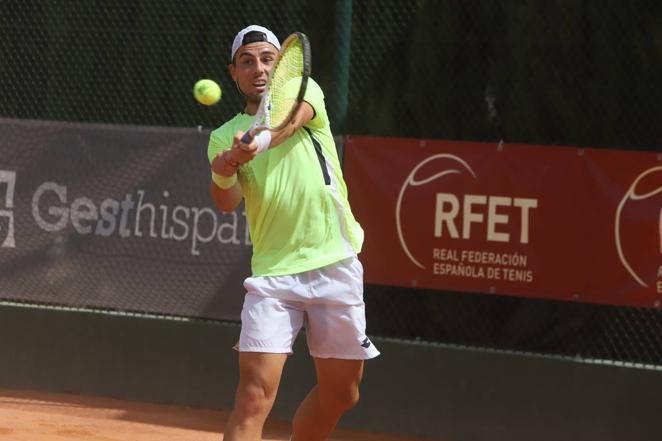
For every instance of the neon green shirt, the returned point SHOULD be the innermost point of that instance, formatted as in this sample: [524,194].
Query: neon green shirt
[298,214]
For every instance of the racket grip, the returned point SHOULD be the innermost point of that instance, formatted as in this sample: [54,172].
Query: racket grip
[247,138]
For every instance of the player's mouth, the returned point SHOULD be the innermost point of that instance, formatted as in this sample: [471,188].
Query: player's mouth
[260,86]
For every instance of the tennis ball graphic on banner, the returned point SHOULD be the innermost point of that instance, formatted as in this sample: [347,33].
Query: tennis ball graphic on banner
[638,229]
[452,165]
[207,92]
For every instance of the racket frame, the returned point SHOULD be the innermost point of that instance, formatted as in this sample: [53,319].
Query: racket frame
[263,111]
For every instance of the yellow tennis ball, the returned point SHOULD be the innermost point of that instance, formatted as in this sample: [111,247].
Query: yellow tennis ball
[207,92]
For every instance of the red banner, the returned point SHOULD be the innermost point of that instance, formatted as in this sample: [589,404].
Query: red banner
[535,221]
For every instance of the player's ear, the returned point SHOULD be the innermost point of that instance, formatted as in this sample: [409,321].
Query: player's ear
[231,69]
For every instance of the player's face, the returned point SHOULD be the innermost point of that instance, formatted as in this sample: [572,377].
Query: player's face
[252,65]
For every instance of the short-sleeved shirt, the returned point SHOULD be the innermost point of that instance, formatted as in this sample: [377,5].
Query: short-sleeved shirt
[296,198]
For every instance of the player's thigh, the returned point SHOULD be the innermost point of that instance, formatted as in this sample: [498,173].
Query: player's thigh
[338,331]
[269,325]
[339,379]
[335,320]
[260,373]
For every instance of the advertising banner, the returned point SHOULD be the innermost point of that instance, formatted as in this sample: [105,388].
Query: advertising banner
[526,220]
[116,217]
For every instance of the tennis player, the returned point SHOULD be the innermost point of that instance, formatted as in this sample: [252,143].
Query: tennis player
[305,270]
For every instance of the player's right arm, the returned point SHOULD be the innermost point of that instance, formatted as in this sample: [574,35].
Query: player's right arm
[225,193]
[224,188]
[226,200]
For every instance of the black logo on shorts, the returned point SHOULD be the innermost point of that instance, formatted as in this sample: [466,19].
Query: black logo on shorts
[366,343]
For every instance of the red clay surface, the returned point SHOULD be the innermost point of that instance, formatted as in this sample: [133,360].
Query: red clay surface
[38,416]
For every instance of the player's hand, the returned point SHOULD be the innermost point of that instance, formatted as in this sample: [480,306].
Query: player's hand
[223,164]
[241,152]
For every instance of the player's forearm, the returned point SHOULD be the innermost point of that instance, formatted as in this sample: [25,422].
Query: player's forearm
[225,190]
[303,115]
[241,153]
[279,137]
[228,199]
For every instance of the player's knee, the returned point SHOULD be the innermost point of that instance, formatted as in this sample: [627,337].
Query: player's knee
[252,401]
[352,398]
[344,399]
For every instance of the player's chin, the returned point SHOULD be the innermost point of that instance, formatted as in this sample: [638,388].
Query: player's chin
[260,90]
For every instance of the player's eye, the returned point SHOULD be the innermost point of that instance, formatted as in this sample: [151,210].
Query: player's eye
[268,59]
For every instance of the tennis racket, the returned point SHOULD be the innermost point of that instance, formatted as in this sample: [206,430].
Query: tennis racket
[285,88]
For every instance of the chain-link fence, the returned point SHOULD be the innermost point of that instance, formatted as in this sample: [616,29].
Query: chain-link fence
[545,72]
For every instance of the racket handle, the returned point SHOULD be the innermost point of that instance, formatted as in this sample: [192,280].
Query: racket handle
[262,140]
[247,138]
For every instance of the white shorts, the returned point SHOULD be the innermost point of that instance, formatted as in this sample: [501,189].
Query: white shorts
[328,301]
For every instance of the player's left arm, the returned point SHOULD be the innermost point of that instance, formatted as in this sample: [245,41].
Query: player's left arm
[311,113]
[243,153]
[305,113]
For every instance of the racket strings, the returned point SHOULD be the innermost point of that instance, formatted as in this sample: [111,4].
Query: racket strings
[286,81]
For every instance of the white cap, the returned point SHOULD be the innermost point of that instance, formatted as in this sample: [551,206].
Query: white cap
[253,34]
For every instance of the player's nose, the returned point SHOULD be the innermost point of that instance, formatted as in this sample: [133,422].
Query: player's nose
[261,68]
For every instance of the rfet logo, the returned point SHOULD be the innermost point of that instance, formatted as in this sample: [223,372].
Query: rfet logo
[8,183]
[638,229]
[458,166]
[442,204]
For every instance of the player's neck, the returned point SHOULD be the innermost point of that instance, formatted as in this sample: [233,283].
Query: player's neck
[251,108]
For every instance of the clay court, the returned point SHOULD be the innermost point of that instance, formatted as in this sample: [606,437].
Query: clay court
[31,416]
